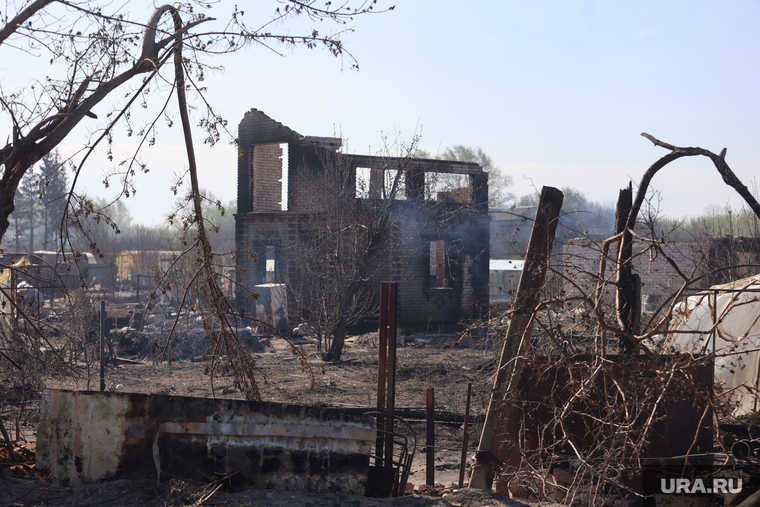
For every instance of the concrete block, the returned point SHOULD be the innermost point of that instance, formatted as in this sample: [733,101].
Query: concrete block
[271,307]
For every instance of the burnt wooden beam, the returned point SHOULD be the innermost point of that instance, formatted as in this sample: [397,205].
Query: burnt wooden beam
[517,340]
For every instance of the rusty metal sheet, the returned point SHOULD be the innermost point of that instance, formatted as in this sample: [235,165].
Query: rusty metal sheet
[546,385]
[274,430]
[87,437]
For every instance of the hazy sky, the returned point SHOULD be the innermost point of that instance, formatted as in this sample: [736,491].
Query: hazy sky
[557,93]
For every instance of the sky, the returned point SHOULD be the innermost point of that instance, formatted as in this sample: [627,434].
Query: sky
[556,92]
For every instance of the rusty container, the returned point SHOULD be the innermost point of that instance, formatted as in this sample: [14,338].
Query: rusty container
[623,408]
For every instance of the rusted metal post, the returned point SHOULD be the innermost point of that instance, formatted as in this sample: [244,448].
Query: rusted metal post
[390,404]
[386,373]
[382,355]
[102,346]
[14,298]
[516,342]
[466,437]
[430,442]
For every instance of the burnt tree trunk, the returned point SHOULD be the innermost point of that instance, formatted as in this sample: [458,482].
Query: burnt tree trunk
[627,291]
[628,298]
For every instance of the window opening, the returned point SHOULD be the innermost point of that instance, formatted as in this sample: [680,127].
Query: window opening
[447,187]
[438,261]
[399,189]
[270,265]
[363,175]
[284,180]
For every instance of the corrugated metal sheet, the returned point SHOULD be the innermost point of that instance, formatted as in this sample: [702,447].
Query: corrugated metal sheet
[506,264]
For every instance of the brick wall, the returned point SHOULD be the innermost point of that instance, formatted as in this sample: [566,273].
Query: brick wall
[267,175]
[464,229]
[465,238]
[256,232]
[581,262]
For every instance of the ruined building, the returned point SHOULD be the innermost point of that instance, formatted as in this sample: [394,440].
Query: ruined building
[435,211]
[708,262]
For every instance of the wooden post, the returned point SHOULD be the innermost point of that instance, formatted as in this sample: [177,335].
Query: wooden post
[628,287]
[516,342]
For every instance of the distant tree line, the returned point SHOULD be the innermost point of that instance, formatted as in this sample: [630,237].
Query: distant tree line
[37,222]
[586,217]
[40,205]
[104,228]
[716,221]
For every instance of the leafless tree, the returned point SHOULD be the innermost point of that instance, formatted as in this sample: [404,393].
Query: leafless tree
[100,48]
[591,418]
[344,249]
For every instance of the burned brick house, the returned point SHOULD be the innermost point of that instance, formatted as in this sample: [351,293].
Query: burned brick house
[438,250]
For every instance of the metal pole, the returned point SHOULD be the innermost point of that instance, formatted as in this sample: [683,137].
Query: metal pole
[430,461]
[714,320]
[14,299]
[382,355]
[466,437]
[102,346]
[390,404]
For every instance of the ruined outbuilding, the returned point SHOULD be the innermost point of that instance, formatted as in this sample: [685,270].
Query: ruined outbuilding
[439,249]
[710,261]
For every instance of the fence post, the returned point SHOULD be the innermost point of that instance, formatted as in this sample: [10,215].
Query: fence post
[102,346]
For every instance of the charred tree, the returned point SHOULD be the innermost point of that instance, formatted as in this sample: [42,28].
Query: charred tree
[628,289]
[628,299]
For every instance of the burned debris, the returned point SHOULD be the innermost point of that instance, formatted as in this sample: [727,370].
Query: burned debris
[621,358]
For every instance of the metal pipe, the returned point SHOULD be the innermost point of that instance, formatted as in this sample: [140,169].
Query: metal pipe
[382,355]
[430,454]
[466,437]
[741,449]
[390,404]
[102,346]
[755,444]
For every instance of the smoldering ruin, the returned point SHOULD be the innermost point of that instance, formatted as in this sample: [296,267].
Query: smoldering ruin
[582,368]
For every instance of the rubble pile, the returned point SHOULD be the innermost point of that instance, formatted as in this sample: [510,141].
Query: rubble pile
[19,464]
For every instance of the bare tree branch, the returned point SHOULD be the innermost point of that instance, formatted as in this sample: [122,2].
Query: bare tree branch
[21,18]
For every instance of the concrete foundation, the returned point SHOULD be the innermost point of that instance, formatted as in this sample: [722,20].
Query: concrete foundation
[90,437]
